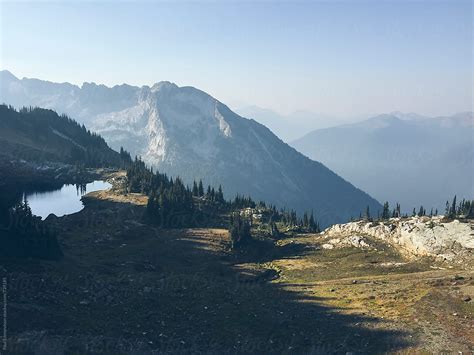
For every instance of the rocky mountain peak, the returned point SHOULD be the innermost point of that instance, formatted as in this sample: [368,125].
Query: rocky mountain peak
[163,85]
[7,75]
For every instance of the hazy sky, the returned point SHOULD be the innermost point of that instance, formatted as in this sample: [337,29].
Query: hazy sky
[341,58]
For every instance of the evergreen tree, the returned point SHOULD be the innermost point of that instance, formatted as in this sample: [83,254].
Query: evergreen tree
[421,211]
[220,194]
[313,227]
[452,211]
[27,236]
[200,189]
[386,211]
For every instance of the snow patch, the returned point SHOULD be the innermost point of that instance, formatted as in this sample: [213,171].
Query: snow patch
[223,125]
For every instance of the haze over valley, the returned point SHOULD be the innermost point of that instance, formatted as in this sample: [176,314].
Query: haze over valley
[409,159]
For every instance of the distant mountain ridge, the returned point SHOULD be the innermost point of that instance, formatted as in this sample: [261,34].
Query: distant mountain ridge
[184,131]
[291,126]
[409,159]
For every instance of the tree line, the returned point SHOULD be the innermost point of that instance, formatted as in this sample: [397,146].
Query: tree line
[172,204]
[463,209]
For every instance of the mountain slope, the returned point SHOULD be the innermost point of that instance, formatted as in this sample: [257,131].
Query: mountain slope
[413,161]
[184,131]
[40,135]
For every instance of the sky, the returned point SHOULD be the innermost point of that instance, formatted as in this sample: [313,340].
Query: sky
[342,58]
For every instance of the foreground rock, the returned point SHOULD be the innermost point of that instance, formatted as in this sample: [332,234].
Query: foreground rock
[452,241]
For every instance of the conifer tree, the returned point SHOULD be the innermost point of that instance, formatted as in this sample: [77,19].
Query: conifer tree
[452,211]
[421,211]
[386,211]
[305,220]
[312,223]
[200,189]
[220,194]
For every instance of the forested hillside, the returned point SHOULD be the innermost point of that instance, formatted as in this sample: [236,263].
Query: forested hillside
[39,135]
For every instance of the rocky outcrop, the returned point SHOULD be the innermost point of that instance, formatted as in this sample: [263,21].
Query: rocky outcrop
[452,241]
[348,241]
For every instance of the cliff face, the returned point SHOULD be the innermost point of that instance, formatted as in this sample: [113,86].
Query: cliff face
[416,236]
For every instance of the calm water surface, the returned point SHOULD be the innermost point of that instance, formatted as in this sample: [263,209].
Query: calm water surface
[65,200]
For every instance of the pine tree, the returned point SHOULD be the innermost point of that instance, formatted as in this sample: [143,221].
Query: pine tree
[386,211]
[421,211]
[220,194]
[305,220]
[312,223]
[452,210]
[200,189]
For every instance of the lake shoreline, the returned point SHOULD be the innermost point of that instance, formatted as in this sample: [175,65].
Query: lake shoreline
[20,177]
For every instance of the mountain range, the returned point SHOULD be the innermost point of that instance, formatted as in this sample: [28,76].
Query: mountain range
[398,157]
[184,131]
